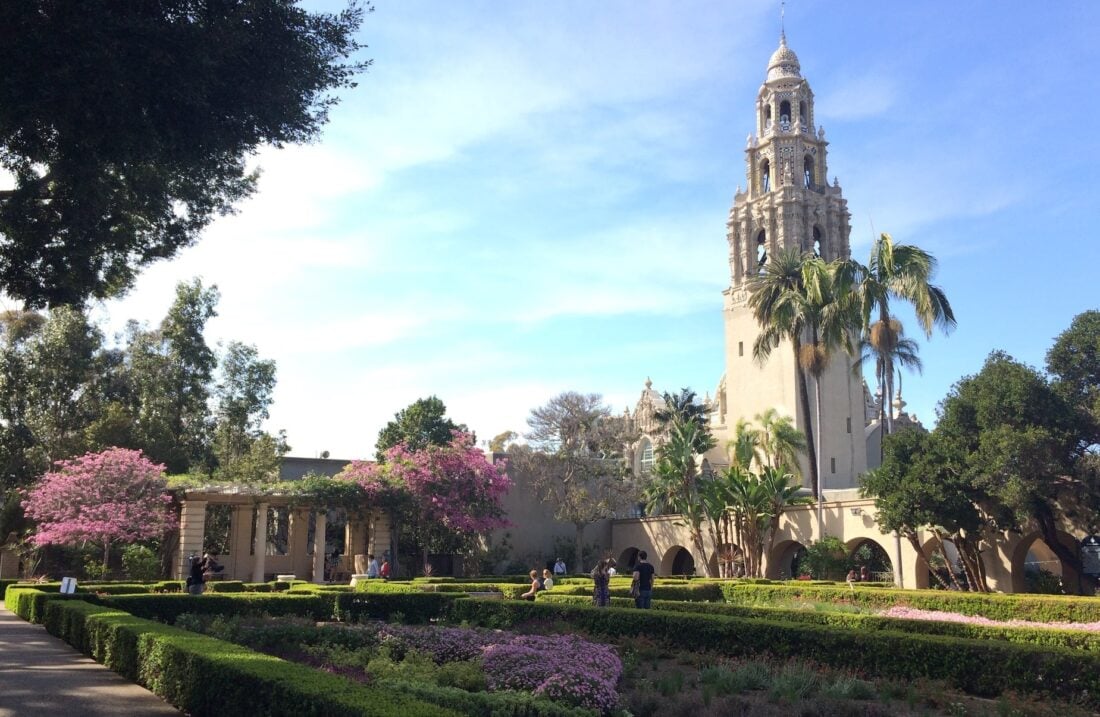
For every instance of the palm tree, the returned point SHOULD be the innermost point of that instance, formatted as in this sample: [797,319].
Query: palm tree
[800,296]
[747,445]
[778,303]
[899,353]
[678,479]
[898,271]
[780,441]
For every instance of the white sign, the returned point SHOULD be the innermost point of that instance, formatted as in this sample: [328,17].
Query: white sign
[68,586]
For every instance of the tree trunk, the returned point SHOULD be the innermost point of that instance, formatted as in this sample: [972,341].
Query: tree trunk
[1045,519]
[578,547]
[912,537]
[817,436]
[106,556]
[804,398]
[947,561]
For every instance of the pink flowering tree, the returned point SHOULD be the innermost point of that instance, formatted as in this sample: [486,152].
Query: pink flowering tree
[441,497]
[115,496]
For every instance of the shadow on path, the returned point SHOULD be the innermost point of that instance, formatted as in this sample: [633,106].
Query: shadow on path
[42,675]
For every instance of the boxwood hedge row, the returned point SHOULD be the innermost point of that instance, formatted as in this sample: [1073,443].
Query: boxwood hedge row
[996,606]
[1072,639]
[980,667]
[205,676]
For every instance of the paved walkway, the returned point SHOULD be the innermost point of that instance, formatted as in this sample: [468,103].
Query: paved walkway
[42,675]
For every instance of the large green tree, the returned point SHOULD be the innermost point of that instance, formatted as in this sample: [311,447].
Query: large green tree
[244,392]
[575,461]
[1020,442]
[128,126]
[421,424]
[172,368]
[1074,362]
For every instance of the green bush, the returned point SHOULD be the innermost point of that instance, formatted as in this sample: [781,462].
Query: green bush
[412,607]
[665,590]
[140,563]
[167,607]
[204,676]
[981,667]
[1040,608]
[225,586]
[1072,639]
[497,704]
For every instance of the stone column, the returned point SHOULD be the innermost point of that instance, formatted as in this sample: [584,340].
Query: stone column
[299,542]
[239,564]
[319,547]
[259,549]
[192,531]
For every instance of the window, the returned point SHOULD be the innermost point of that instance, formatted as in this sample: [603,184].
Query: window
[761,250]
[767,116]
[785,112]
[832,464]
[802,112]
[817,243]
[740,348]
[765,176]
[849,424]
[808,171]
[646,462]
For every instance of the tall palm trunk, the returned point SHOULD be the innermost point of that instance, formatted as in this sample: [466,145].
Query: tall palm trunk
[804,399]
[817,436]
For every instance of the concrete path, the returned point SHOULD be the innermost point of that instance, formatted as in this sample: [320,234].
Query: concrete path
[42,675]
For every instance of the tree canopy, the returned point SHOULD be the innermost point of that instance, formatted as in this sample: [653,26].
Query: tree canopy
[423,423]
[117,495]
[127,126]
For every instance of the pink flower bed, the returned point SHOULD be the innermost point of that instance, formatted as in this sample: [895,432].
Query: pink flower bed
[908,613]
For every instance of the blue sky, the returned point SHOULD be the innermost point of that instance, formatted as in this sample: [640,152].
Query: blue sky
[520,199]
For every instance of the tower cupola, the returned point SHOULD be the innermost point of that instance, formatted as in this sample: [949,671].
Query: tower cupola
[784,63]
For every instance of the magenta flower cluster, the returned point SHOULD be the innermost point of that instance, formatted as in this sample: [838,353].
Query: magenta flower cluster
[908,613]
[454,485]
[115,495]
[443,644]
[562,667]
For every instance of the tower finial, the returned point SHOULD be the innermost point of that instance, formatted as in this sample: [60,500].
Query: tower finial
[783,22]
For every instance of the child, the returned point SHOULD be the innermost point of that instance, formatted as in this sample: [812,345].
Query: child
[547,580]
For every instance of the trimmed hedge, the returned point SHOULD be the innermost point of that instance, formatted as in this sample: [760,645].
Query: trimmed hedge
[996,606]
[204,676]
[165,608]
[981,667]
[412,607]
[495,704]
[686,591]
[1072,639]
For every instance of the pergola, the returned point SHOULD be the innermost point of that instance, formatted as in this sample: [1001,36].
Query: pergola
[251,556]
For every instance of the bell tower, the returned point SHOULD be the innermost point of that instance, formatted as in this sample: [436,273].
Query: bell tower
[788,203]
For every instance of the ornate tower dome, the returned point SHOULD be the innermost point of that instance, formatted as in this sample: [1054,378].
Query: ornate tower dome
[784,63]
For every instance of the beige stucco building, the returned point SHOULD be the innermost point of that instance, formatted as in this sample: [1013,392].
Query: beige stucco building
[788,203]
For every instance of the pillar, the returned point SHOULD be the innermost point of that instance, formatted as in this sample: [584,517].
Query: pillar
[259,548]
[192,532]
[319,547]
[299,542]
[239,563]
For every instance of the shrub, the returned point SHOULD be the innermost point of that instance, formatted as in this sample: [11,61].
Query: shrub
[204,676]
[167,607]
[1074,639]
[225,586]
[414,607]
[140,563]
[1040,608]
[982,667]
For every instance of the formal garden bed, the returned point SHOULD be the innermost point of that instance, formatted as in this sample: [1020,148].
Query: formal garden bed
[560,656]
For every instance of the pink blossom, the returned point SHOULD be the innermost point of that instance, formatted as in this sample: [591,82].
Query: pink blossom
[116,495]
[908,613]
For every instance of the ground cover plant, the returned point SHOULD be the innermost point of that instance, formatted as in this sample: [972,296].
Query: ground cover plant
[545,670]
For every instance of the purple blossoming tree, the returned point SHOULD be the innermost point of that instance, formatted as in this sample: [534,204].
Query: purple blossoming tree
[441,495]
[115,496]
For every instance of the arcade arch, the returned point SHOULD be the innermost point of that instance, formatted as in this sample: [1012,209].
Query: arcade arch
[1033,554]
[678,560]
[782,559]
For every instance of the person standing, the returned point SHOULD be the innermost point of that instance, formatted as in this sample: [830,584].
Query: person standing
[559,567]
[601,592]
[373,571]
[196,582]
[643,573]
[384,571]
